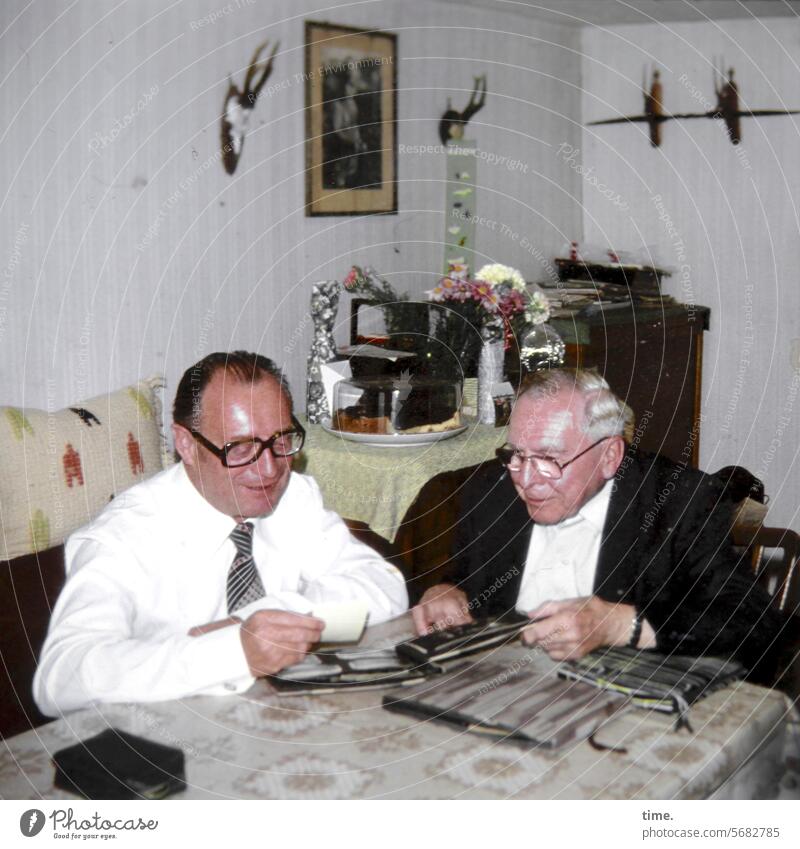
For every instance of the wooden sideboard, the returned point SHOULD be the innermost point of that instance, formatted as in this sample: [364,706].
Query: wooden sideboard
[652,357]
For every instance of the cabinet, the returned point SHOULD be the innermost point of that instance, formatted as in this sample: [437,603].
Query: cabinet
[652,357]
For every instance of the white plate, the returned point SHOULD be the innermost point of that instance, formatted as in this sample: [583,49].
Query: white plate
[393,440]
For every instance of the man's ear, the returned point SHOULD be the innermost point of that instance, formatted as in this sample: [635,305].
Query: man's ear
[185,444]
[612,456]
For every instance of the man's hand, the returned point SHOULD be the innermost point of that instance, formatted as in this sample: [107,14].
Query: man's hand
[572,628]
[441,606]
[275,639]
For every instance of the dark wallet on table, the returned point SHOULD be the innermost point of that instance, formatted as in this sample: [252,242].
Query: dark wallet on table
[669,683]
[345,669]
[118,765]
[405,664]
[462,640]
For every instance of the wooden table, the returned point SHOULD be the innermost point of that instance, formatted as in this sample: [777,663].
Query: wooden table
[377,485]
[345,746]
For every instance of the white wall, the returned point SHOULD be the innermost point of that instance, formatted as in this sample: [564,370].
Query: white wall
[89,302]
[726,220]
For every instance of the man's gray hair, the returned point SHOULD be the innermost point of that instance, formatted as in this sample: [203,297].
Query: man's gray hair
[604,413]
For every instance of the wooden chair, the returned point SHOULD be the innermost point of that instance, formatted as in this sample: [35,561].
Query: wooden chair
[424,541]
[778,575]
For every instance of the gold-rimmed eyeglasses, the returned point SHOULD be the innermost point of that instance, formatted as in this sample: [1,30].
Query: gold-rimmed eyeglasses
[514,459]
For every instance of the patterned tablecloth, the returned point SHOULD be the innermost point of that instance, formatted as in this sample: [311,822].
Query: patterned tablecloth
[377,485]
[260,745]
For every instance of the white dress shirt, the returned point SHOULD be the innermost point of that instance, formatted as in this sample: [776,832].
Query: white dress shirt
[154,564]
[562,558]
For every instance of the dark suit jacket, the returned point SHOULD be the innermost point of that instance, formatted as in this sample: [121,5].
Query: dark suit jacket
[665,549]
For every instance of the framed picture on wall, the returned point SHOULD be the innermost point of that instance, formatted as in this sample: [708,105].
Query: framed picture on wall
[351,113]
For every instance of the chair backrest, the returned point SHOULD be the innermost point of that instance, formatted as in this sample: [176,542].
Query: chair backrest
[777,574]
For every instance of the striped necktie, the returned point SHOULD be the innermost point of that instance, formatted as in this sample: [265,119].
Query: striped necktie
[244,583]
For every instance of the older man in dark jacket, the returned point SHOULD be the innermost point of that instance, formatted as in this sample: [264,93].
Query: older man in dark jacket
[600,545]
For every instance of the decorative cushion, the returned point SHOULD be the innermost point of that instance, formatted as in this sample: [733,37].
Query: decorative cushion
[60,469]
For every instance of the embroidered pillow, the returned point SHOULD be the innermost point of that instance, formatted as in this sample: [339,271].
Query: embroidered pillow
[59,469]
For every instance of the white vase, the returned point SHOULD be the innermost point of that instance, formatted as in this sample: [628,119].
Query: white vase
[490,369]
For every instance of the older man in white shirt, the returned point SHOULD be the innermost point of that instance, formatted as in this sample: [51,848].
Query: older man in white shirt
[204,577]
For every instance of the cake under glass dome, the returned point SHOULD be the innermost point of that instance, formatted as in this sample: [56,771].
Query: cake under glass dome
[401,405]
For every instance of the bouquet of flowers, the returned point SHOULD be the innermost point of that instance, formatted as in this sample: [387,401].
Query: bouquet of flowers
[497,295]
[406,320]
[366,281]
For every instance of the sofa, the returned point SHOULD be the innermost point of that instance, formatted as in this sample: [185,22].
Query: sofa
[60,468]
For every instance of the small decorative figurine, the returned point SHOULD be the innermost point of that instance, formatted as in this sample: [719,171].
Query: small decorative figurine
[324,304]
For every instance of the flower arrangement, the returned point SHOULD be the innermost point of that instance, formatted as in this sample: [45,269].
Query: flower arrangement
[366,281]
[496,297]
[498,290]
[497,294]
[405,319]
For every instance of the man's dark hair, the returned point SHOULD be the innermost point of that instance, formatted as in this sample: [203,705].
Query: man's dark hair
[239,365]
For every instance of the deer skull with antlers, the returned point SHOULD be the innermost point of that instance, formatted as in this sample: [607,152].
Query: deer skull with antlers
[239,104]
[452,123]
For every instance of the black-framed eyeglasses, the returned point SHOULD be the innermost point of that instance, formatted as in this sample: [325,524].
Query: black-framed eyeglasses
[243,452]
[513,459]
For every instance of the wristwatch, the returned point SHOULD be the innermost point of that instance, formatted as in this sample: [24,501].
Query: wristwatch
[636,630]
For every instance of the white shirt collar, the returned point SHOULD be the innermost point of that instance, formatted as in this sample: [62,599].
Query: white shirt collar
[595,509]
[593,512]
[210,527]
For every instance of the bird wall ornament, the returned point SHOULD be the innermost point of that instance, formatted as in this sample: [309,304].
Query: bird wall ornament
[726,109]
[239,104]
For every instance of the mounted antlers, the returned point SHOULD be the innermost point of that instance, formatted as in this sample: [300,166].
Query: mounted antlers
[452,123]
[238,106]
